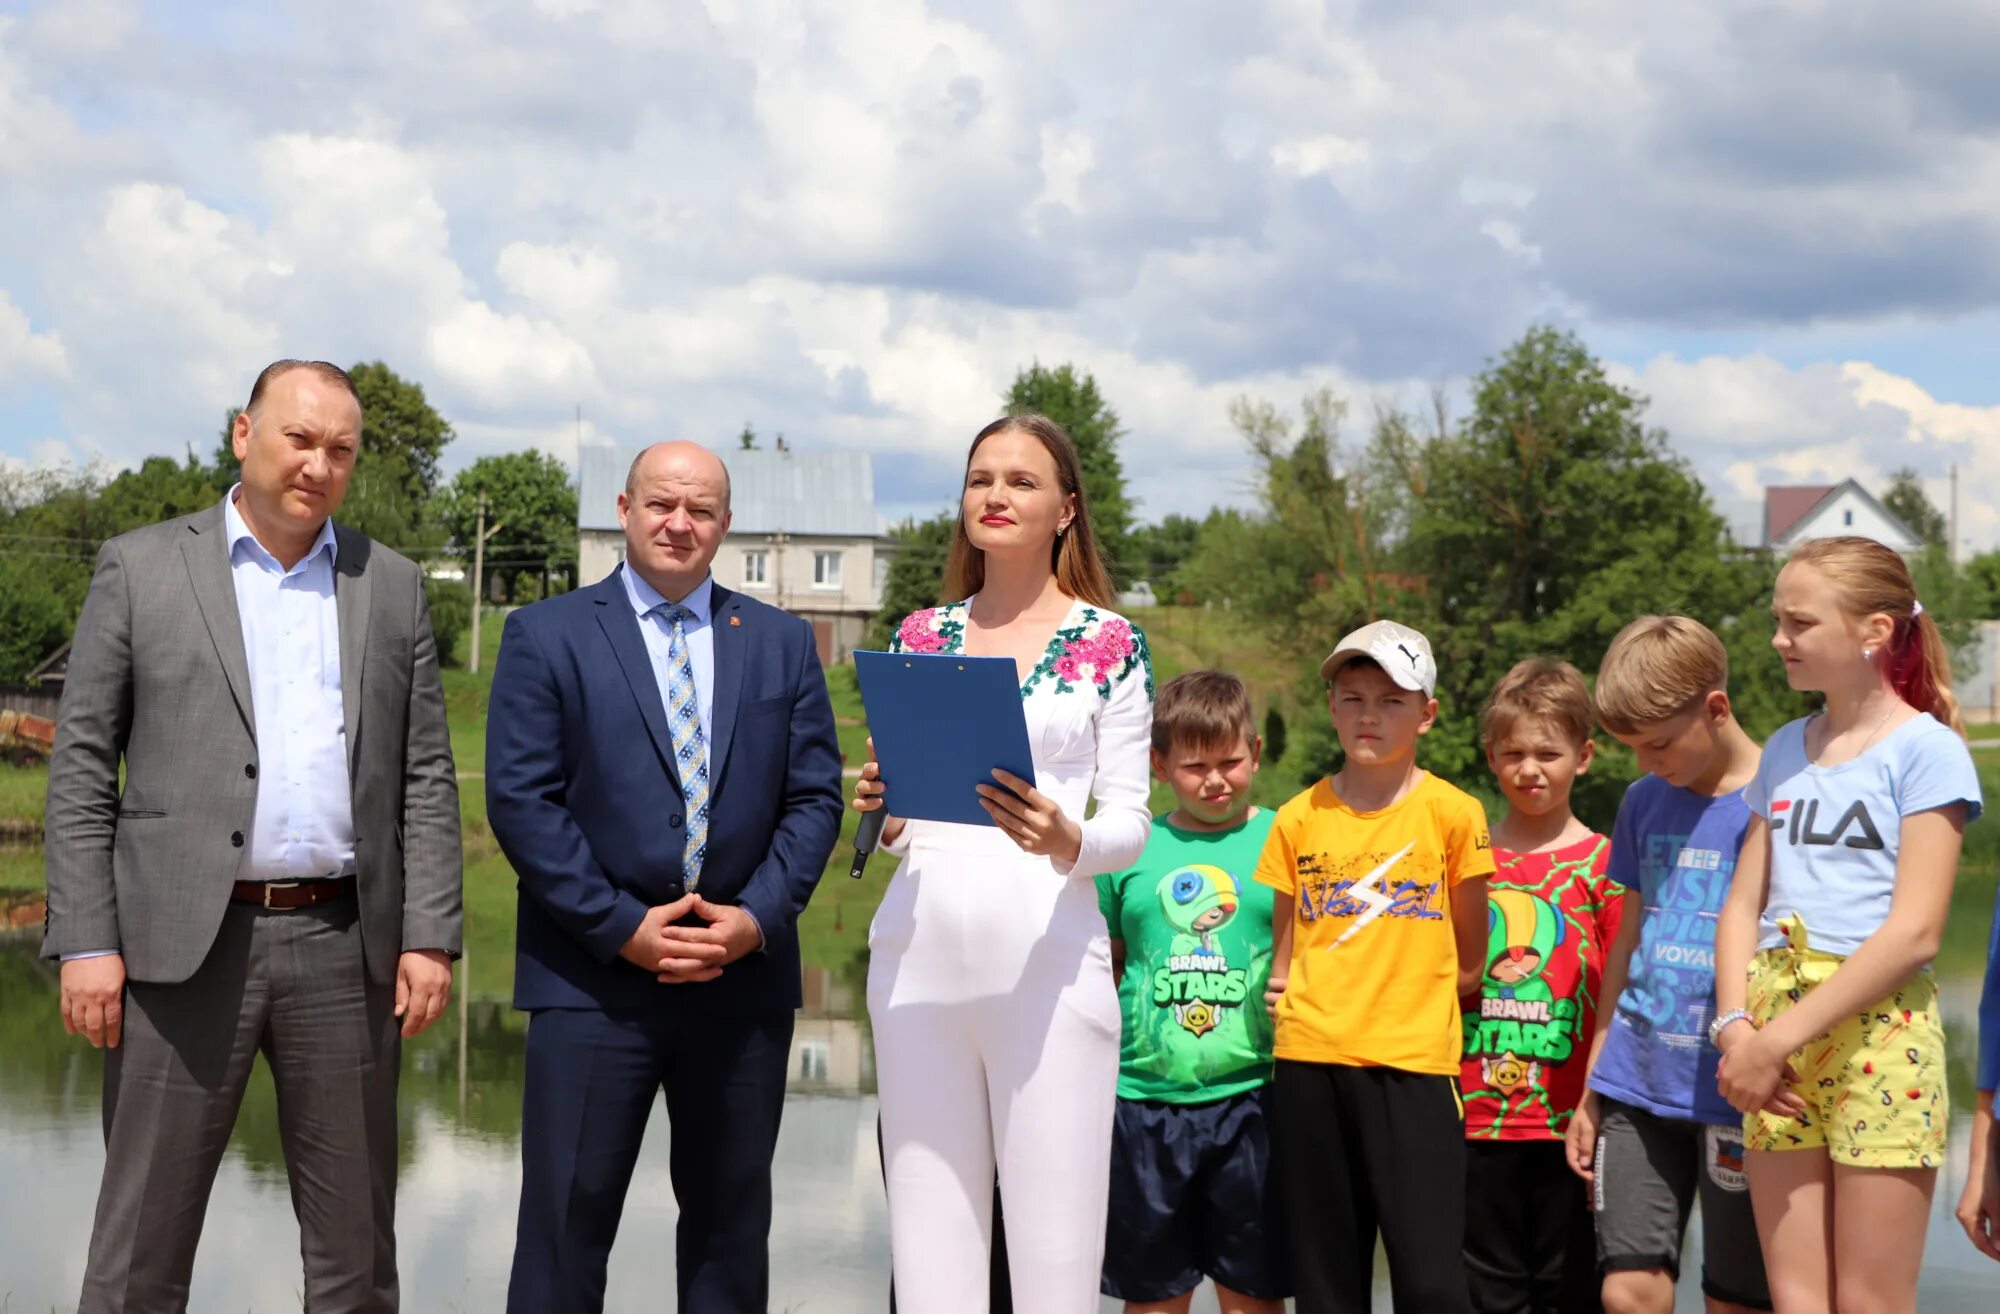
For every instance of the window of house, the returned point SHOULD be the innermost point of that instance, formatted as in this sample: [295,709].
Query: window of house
[826,570]
[756,567]
[1847,516]
[814,1061]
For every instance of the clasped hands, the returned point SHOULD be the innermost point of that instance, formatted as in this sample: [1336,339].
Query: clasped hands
[1034,821]
[1755,1074]
[680,954]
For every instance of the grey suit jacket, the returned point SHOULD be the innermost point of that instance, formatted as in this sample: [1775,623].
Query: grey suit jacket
[158,678]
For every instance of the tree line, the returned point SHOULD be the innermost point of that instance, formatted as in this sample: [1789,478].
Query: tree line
[1538,522]
[53,520]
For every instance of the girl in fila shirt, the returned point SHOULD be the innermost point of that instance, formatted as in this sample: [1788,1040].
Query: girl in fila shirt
[1823,985]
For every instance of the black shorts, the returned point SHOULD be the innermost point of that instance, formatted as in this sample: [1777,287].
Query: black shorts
[1364,1152]
[1192,1195]
[1529,1242]
[1649,1172]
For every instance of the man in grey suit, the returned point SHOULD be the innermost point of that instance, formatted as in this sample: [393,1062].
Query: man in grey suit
[280,871]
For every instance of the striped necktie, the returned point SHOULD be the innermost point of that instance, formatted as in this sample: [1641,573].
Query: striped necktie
[690,744]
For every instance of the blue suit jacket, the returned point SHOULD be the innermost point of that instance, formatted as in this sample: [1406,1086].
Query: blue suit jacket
[582,794]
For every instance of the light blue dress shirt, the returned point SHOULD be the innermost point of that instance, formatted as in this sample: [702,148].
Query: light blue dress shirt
[658,632]
[303,827]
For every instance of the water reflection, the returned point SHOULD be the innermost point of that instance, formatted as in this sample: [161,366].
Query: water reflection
[461,1099]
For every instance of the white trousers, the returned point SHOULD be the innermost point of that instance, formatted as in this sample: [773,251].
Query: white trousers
[996,1047]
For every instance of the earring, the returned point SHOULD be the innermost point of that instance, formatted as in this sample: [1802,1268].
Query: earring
[1867,654]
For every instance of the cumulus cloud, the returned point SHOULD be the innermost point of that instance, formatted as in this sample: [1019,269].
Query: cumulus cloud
[25,354]
[1745,423]
[854,222]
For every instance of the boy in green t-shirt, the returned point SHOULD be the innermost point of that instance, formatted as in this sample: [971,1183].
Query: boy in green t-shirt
[1191,1188]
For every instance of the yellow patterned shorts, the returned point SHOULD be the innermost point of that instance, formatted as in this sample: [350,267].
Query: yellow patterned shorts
[1874,1085]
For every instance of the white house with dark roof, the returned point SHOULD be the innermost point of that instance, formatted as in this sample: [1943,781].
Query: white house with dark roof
[803,536]
[1796,513]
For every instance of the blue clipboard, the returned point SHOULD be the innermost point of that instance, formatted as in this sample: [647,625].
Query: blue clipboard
[941,723]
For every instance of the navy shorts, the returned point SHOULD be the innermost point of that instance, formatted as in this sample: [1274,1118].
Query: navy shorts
[1192,1194]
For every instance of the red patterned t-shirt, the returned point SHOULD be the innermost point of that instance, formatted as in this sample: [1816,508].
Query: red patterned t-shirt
[1551,918]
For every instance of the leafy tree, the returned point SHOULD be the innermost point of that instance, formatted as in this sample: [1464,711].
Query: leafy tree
[1540,524]
[451,616]
[52,522]
[1072,400]
[1982,586]
[1274,736]
[1245,563]
[530,498]
[38,609]
[1553,517]
[1158,551]
[1318,558]
[395,417]
[747,440]
[1906,501]
[915,577]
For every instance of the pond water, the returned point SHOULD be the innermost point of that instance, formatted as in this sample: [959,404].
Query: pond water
[461,1109]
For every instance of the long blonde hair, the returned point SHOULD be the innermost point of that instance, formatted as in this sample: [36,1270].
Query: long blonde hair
[1871,579]
[1075,557]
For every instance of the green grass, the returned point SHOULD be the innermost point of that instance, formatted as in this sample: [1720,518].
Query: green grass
[1978,733]
[1194,638]
[833,931]
[22,790]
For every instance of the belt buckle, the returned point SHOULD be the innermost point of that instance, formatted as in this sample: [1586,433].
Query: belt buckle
[277,885]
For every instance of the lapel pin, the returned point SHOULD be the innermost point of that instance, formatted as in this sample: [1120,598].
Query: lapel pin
[735,620]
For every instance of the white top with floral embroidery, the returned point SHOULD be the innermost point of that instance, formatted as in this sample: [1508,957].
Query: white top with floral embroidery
[1089,706]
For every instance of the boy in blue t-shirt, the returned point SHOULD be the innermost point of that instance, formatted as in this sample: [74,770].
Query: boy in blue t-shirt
[1191,1188]
[1653,1133]
[1979,1205]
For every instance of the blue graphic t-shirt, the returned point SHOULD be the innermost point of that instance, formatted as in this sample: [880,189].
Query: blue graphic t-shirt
[1677,849]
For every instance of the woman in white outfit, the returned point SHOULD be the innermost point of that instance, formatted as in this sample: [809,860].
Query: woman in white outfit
[989,981]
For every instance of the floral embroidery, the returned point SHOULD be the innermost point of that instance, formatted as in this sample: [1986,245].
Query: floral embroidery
[935,629]
[1097,650]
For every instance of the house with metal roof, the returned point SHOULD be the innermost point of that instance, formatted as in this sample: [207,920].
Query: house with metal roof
[803,533]
[1796,513]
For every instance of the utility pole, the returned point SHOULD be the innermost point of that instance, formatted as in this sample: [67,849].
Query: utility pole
[1951,549]
[480,534]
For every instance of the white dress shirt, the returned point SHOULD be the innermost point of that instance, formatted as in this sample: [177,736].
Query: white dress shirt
[658,632]
[303,827]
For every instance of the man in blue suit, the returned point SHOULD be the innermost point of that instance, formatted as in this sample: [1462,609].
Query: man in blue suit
[662,772]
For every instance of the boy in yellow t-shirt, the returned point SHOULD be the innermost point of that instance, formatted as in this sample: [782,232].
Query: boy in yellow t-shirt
[1381,929]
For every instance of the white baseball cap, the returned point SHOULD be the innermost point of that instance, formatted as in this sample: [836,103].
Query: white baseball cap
[1397,649]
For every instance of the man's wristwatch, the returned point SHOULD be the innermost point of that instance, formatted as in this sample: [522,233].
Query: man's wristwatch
[1722,1024]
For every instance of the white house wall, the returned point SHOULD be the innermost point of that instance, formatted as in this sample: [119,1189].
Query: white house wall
[788,571]
[1845,512]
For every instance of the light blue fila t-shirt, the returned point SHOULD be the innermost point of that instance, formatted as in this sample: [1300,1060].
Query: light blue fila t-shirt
[1836,831]
[1676,850]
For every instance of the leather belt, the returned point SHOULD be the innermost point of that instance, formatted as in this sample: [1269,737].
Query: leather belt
[284,896]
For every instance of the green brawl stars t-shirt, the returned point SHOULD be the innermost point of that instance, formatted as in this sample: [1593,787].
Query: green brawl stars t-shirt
[1197,933]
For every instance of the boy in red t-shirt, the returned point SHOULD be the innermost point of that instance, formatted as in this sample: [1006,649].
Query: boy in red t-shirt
[1552,913]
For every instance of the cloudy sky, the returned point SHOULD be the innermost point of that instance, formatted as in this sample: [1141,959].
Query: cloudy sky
[852,221]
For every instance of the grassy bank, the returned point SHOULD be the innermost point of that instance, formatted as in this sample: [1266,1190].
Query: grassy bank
[833,932]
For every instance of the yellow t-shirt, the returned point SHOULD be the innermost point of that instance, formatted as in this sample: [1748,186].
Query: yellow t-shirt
[1374,975]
